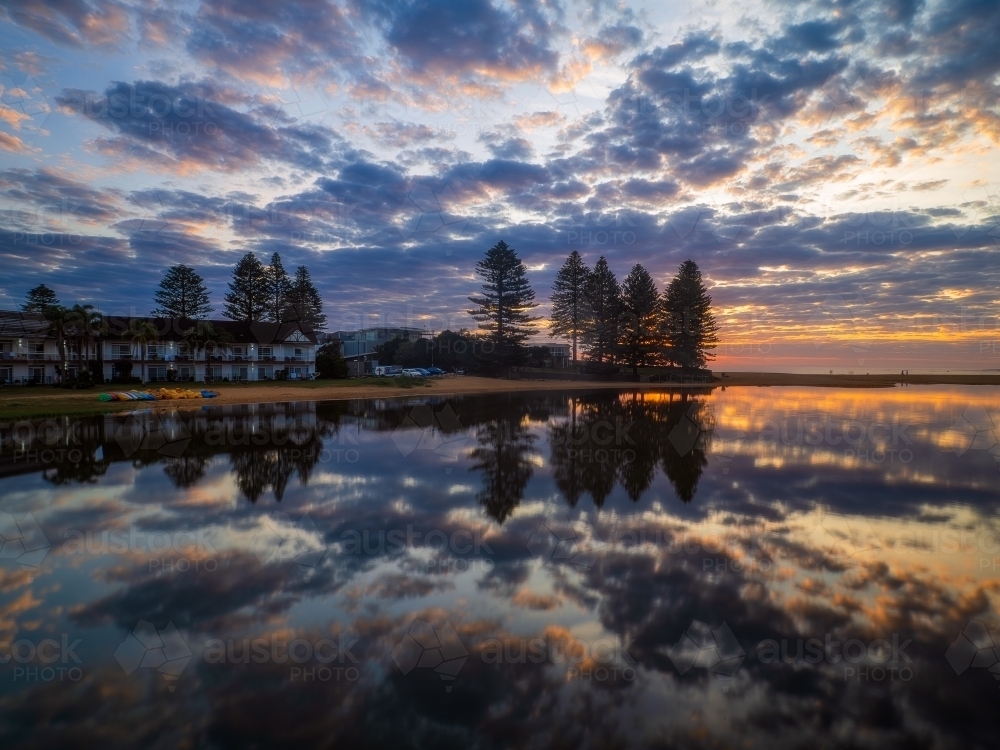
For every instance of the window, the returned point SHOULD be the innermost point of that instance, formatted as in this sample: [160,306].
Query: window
[120,351]
[267,351]
[37,348]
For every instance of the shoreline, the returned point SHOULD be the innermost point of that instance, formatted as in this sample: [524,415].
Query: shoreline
[22,403]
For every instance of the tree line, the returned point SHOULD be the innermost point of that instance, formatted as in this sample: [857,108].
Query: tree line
[256,293]
[629,323]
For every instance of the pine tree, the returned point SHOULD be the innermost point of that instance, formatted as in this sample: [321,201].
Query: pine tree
[640,320]
[278,286]
[303,303]
[247,296]
[689,326]
[604,307]
[569,301]
[182,294]
[503,310]
[37,300]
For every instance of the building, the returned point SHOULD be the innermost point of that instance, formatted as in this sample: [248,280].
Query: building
[29,352]
[560,354]
[251,352]
[362,343]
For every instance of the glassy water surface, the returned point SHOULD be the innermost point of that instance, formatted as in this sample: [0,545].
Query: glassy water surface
[773,567]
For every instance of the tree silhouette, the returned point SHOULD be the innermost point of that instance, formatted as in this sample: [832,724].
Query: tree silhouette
[640,319]
[689,328]
[247,297]
[503,310]
[182,294]
[570,312]
[502,456]
[604,304]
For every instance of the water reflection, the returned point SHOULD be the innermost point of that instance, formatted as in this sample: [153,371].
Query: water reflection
[756,567]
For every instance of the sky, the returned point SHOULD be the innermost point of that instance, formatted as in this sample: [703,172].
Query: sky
[832,167]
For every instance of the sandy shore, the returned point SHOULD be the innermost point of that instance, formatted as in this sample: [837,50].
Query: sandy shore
[25,402]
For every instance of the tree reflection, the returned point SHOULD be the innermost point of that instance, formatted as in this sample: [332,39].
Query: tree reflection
[503,457]
[623,438]
[185,471]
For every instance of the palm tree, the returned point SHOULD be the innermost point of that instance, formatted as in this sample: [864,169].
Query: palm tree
[142,333]
[59,323]
[86,324]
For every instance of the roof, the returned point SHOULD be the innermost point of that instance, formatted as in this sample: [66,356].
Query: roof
[15,325]
[241,332]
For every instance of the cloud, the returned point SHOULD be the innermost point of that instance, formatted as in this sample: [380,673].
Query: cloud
[266,44]
[469,42]
[98,22]
[186,128]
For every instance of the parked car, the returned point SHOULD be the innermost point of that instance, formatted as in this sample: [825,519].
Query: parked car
[414,372]
[388,371]
[435,370]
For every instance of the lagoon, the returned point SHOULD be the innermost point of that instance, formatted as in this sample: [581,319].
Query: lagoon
[762,567]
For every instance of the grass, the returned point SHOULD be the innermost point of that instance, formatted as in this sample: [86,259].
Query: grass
[21,402]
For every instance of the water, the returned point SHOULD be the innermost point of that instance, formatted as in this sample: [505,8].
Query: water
[781,567]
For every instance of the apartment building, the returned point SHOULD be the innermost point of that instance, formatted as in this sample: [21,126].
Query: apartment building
[29,351]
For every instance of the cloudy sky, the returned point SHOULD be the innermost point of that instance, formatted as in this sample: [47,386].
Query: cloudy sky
[831,166]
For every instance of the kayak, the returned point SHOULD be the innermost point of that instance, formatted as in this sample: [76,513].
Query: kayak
[160,394]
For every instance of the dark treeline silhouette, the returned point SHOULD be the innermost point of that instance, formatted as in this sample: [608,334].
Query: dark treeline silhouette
[623,438]
[597,441]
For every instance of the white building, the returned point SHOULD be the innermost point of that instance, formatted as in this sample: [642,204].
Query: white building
[251,352]
[29,352]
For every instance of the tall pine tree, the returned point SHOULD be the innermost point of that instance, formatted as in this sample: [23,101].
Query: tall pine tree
[570,312]
[640,320]
[689,326]
[182,294]
[303,303]
[39,299]
[278,286]
[247,297]
[503,310]
[604,306]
